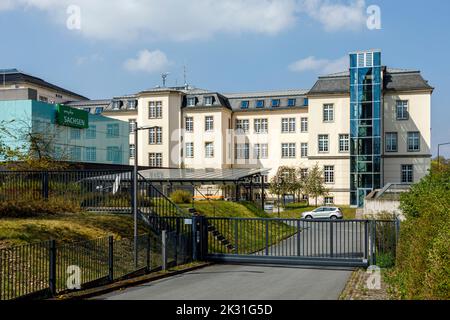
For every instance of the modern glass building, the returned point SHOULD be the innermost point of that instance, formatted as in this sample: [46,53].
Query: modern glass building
[365,124]
[75,136]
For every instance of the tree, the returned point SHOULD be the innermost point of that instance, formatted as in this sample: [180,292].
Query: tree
[282,182]
[23,147]
[314,183]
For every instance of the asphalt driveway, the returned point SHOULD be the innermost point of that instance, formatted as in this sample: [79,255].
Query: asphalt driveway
[243,282]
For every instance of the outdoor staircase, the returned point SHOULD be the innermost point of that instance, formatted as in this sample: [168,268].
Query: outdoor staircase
[219,237]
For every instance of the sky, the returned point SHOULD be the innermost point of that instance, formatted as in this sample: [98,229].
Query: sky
[106,48]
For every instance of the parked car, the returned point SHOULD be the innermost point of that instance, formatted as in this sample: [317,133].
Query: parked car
[323,213]
[268,207]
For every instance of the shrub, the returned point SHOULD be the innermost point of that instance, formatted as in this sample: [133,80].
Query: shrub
[181,196]
[23,208]
[422,266]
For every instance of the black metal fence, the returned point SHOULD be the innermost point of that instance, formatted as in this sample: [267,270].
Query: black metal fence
[44,269]
[351,242]
[89,190]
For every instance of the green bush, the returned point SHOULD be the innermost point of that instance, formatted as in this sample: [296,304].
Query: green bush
[23,208]
[181,196]
[423,266]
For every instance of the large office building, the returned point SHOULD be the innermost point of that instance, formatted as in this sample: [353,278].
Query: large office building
[31,112]
[365,127]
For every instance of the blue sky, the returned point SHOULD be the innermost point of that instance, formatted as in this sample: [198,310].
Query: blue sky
[232,45]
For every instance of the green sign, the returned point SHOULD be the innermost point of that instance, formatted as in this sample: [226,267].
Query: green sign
[71,117]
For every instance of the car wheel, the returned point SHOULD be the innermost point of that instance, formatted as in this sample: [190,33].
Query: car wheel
[333,218]
[308,217]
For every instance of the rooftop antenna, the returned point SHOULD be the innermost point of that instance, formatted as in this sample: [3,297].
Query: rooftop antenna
[184,77]
[164,77]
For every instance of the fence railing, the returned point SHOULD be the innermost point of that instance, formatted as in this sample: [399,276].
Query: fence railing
[89,190]
[48,268]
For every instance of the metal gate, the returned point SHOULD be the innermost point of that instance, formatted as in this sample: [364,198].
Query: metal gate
[297,241]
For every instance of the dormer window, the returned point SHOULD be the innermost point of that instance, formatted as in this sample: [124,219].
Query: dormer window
[116,105]
[208,100]
[244,104]
[275,103]
[260,103]
[191,102]
[98,110]
[131,104]
[292,102]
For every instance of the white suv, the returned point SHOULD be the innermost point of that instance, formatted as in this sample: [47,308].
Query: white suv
[323,213]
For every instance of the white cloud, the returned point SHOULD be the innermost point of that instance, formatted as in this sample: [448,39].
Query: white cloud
[148,61]
[180,20]
[323,66]
[336,15]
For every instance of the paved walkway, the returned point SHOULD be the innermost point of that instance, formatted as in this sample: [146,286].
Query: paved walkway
[243,282]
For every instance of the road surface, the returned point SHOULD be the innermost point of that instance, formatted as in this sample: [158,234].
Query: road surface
[243,282]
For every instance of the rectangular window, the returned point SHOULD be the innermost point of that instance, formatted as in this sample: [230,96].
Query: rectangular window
[155,135]
[155,110]
[132,151]
[261,125]
[132,125]
[91,154]
[413,141]
[245,104]
[407,173]
[113,154]
[328,113]
[402,110]
[288,150]
[112,130]
[275,103]
[131,104]
[288,125]
[260,103]
[189,149]
[191,102]
[75,134]
[189,124]
[242,125]
[155,159]
[304,150]
[116,105]
[209,123]
[303,173]
[292,102]
[304,125]
[328,172]
[344,144]
[261,151]
[208,100]
[98,110]
[391,141]
[75,153]
[328,201]
[209,149]
[323,143]
[91,132]
[242,151]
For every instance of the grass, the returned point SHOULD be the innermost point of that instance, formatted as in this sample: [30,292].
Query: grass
[228,209]
[65,228]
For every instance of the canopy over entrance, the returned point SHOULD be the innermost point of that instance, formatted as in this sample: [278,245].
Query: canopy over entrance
[200,176]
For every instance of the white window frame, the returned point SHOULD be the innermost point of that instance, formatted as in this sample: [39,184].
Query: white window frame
[388,141]
[261,151]
[288,150]
[189,124]
[209,149]
[304,150]
[407,173]
[191,102]
[402,105]
[189,150]
[208,100]
[155,109]
[328,112]
[414,137]
[242,126]
[209,123]
[344,143]
[304,125]
[242,151]
[132,150]
[155,159]
[323,143]
[155,135]
[328,174]
[261,126]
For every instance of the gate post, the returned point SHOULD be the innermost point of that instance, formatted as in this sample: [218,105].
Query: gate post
[366,240]
[331,239]
[110,258]
[236,238]
[267,237]
[164,249]
[45,185]
[373,244]
[199,237]
[52,267]
[298,237]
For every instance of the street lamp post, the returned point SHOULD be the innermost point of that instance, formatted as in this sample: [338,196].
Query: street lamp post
[439,159]
[136,129]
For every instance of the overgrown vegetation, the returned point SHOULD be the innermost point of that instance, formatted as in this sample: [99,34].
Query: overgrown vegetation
[23,208]
[422,266]
[181,196]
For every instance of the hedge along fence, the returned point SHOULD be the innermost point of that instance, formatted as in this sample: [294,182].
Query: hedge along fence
[45,269]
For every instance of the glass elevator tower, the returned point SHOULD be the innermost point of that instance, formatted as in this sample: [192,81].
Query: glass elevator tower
[365,124]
